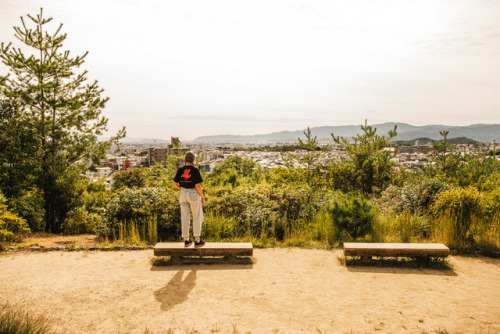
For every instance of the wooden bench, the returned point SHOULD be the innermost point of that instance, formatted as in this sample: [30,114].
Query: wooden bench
[228,250]
[366,250]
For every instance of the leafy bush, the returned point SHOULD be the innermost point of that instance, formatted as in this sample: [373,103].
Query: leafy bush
[265,210]
[140,206]
[11,226]
[493,202]
[459,206]
[30,206]
[416,196]
[134,178]
[80,220]
[218,227]
[463,170]
[88,215]
[235,171]
[353,214]
[410,227]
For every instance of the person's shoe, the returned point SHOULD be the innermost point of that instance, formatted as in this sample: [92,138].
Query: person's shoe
[199,243]
[188,242]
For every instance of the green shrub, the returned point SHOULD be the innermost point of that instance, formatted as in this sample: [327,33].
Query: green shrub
[12,227]
[89,214]
[217,227]
[410,227]
[456,209]
[353,214]
[265,210]
[415,196]
[80,220]
[323,230]
[140,206]
[30,206]
[235,171]
[134,178]
[493,201]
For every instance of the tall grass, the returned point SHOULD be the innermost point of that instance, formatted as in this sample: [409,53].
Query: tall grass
[319,231]
[217,227]
[15,321]
[133,232]
[481,229]
[402,227]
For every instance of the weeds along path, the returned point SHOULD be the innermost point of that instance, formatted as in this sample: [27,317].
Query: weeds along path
[286,290]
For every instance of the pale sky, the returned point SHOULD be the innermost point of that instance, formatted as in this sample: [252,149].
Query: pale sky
[202,67]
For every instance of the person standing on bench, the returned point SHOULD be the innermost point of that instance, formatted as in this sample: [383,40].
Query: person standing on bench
[188,181]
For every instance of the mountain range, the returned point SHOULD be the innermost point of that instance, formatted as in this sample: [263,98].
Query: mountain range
[479,132]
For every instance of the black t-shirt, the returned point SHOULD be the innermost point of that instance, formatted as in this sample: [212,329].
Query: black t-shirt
[188,176]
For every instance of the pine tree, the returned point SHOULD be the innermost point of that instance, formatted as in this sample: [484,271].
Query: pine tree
[313,152]
[53,98]
[369,166]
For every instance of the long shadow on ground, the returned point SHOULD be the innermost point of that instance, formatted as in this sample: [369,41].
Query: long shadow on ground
[176,291]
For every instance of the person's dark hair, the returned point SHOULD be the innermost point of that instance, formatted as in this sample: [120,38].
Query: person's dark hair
[189,157]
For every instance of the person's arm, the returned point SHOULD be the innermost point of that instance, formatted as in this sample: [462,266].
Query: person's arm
[200,192]
[177,185]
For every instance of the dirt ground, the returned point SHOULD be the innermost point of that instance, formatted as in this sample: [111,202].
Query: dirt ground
[53,240]
[284,291]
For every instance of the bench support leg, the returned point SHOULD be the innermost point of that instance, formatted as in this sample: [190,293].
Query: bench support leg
[366,259]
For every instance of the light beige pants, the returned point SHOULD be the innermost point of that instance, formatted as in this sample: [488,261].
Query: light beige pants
[190,202]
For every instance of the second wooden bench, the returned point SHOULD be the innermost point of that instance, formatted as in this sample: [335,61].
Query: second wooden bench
[366,250]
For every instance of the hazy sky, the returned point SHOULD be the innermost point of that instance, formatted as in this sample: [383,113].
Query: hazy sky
[200,67]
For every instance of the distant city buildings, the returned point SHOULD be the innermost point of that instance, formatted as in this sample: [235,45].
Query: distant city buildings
[132,156]
[160,154]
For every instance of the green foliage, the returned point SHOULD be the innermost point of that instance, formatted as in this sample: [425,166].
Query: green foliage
[493,201]
[414,196]
[459,207]
[159,175]
[312,154]
[18,150]
[30,205]
[369,167]
[54,117]
[87,212]
[462,168]
[15,321]
[217,227]
[448,159]
[353,214]
[403,226]
[12,227]
[264,210]
[235,171]
[134,178]
[141,206]
[410,227]
[80,220]
[132,233]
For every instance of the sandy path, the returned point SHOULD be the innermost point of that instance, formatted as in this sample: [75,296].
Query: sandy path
[285,291]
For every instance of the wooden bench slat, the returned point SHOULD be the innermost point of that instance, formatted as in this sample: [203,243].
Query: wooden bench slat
[210,249]
[396,249]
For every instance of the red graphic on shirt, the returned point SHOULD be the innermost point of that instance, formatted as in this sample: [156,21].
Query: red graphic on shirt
[187,174]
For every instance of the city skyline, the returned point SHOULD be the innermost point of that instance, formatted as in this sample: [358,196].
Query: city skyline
[198,68]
